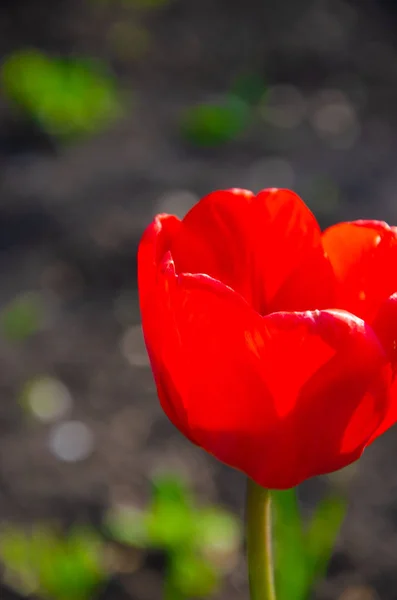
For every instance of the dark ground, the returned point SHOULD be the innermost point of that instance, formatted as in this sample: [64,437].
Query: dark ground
[70,221]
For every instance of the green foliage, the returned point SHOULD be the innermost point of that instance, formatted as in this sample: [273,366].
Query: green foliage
[199,542]
[170,520]
[249,87]
[191,575]
[57,567]
[168,523]
[302,553]
[215,123]
[217,535]
[320,536]
[22,317]
[290,559]
[128,526]
[200,545]
[68,97]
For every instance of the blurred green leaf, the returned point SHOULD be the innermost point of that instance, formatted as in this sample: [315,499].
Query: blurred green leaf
[170,518]
[302,554]
[321,535]
[199,544]
[170,488]
[249,87]
[213,124]
[15,555]
[69,97]
[22,317]
[128,525]
[58,567]
[290,558]
[217,534]
[75,570]
[170,525]
[192,576]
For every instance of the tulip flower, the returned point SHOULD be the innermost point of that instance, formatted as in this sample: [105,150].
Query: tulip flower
[273,345]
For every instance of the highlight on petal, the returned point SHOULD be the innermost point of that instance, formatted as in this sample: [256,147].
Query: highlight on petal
[363,255]
[266,247]
[282,398]
[297,274]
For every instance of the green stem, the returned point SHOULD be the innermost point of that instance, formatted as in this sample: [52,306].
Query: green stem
[259,543]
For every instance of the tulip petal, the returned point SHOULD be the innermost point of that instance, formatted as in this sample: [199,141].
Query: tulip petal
[385,326]
[282,397]
[155,243]
[266,247]
[363,255]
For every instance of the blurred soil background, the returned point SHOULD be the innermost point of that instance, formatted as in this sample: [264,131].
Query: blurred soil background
[112,111]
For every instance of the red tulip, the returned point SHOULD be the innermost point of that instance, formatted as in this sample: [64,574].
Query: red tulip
[273,345]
